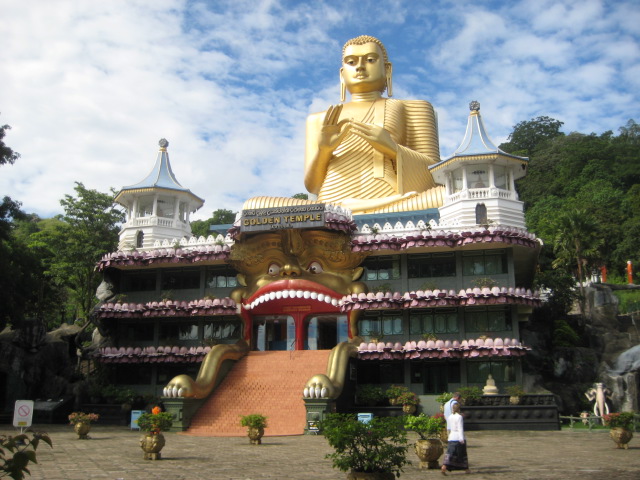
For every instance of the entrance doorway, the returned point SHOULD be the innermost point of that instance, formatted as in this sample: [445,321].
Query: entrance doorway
[325,331]
[274,332]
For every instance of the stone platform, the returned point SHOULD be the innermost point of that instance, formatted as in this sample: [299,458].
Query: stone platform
[114,453]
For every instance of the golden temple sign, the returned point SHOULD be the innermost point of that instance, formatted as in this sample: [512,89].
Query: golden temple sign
[294,216]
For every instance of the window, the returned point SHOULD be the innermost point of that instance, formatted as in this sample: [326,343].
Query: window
[132,374]
[375,324]
[380,372]
[434,265]
[458,180]
[224,328]
[132,333]
[487,319]
[382,268]
[435,376]
[481,214]
[500,370]
[180,279]
[145,206]
[489,262]
[221,277]
[166,206]
[437,322]
[139,282]
[140,239]
[184,330]
[479,177]
[501,177]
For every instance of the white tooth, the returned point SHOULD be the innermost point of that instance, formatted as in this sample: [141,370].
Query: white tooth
[327,299]
[334,302]
[314,295]
[299,293]
[272,295]
[307,294]
[285,294]
[292,294]
[261,299]
[278,294]
[180,392]
[320,297]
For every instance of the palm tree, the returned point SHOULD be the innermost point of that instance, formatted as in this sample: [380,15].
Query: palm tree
[576,244]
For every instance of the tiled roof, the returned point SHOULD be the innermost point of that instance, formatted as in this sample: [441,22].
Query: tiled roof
[439,298]
[472,348]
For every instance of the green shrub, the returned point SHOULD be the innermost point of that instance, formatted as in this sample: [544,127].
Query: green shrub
[253,420]
[470,395]
[17,452]
[369,394]
[377,446]
[425,426]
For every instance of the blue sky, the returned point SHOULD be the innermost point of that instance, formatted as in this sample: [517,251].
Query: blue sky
[90,87]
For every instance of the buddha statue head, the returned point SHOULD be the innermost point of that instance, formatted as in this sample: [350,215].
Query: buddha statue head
[365,67]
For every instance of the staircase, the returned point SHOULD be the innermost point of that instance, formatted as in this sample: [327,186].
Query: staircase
[268,383]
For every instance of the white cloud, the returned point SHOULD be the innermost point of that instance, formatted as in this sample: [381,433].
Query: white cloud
[89,88]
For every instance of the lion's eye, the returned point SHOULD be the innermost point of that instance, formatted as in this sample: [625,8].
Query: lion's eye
[315,267]
[274,269]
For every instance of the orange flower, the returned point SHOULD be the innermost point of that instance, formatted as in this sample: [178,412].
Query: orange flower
[156,410]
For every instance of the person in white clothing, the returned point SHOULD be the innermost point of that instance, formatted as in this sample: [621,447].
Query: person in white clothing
[447,407]
[456,456]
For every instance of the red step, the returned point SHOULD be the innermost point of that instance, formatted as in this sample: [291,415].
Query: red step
[268,383]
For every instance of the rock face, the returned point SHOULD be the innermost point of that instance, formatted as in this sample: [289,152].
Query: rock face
[37,364]
[571,354]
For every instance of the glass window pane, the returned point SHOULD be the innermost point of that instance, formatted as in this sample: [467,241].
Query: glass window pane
[415,324]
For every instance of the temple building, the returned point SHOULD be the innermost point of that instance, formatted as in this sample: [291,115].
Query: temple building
[305,302]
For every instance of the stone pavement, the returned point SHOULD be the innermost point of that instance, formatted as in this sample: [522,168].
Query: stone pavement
[114,453]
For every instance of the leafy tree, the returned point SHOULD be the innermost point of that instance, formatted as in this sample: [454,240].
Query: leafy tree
[301,196]
[528,135]
[222,216]
[576,243]
[87,230]
[7,155]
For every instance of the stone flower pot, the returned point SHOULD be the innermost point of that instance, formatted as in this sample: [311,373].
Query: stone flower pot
[621,437]
[255,435]
[151,445]
[82,429]
[409,409]
[429,451]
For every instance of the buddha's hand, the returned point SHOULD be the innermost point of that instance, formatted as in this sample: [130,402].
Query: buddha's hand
[376,136]
[332,131]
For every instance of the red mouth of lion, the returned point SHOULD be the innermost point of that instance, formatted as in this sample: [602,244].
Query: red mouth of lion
[293,292]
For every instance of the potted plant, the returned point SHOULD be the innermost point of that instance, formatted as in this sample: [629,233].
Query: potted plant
[620,425]
[444,398]
[470,395]
[515,393]
[255,424]
[376,450]
[369,395]
[429,447]
[394,391]
[82,423]
[409,402]
[154,424]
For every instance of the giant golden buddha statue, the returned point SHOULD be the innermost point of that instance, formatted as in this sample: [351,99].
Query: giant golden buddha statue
[370,154]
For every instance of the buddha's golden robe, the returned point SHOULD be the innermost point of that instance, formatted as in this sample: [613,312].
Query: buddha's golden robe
[358,171]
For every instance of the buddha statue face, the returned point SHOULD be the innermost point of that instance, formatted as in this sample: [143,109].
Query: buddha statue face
[363,68]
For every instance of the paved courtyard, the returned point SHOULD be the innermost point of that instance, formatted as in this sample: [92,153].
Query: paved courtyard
[114,453]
